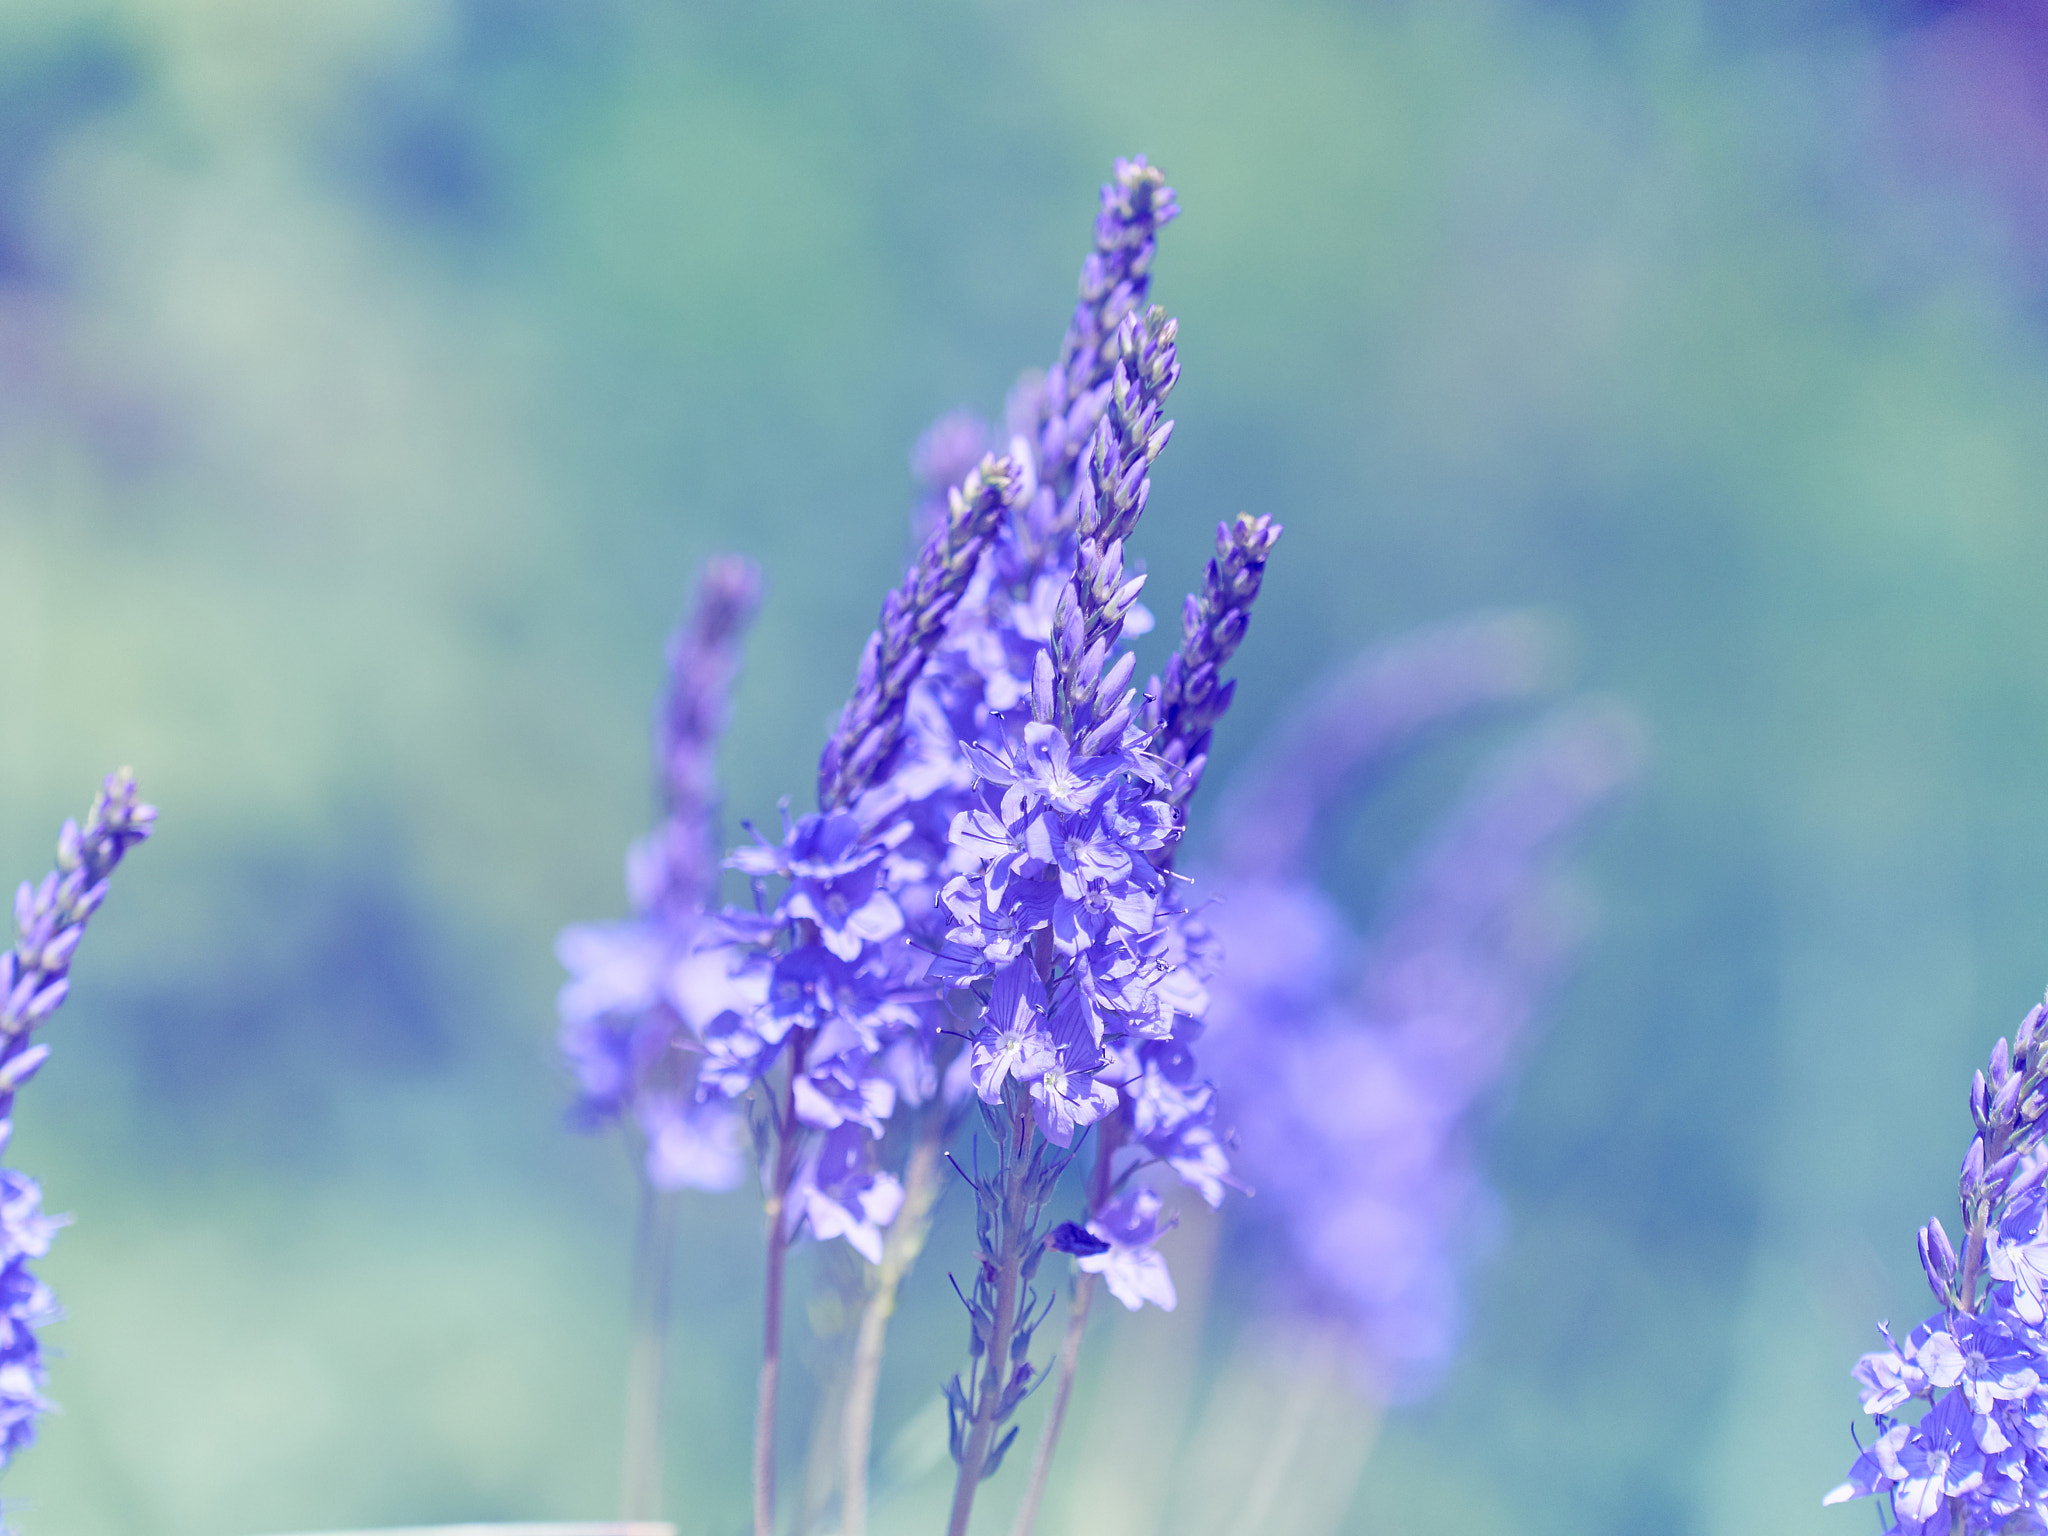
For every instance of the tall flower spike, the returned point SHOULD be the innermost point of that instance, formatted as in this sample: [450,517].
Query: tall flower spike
[914,618]
[1975,1461]
[49,920]
[1113,489]
[1057,413]
[643,994]
[676,869]
[1193,696]
[1116,279]
[638,988]
[1117,276]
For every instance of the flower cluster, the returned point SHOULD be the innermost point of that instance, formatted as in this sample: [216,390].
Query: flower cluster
[1976,1459]
[35,978]
[982,909]
[1355,1066]
[990,649]
[641,992]
[1065,918]
[1066,911]
[842,991]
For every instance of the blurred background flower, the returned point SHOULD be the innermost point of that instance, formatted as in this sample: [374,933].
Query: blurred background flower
[374,376]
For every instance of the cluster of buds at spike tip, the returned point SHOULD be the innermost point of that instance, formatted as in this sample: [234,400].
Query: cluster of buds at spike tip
[50,918]
[1185,705]
[1114,486]
[914,617]
[1136,203]
[2009,1109]
[1116,277]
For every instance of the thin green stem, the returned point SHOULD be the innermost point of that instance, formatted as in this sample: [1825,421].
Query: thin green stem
[1049,1438]
[1013,1231]
[786,1131]
[654,1250]
[1070,1346]
[921,1180]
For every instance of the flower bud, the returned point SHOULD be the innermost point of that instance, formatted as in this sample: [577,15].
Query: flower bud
[1938,1258]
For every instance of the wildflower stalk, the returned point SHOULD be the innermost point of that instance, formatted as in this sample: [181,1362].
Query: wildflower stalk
[654,1251]
[1070,1345]
[771,1319]
[999,1379]
[900,1251]
[1062,1393]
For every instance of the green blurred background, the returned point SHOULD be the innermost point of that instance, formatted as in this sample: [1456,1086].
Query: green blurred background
[373,374]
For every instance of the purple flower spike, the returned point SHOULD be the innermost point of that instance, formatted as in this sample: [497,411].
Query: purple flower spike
[1057,413]
[914,617]
[1186,705]
[943,457]
[1976,1460]
[638,1010]
[1091,612]
[1115,279]
[49,920]
[674,872]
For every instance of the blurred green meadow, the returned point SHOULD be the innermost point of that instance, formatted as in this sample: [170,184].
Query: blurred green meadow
[374,374]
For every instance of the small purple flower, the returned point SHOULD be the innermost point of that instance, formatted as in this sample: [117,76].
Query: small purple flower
[1012,1041]
[834,872]
[1876,1469]
[1987,1361]
[1066,1095]
[2018,1255]
[841,1193]
[1132,1267]
[1890,1376]
[1940,1460]
[848,1089]
[692,1145]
